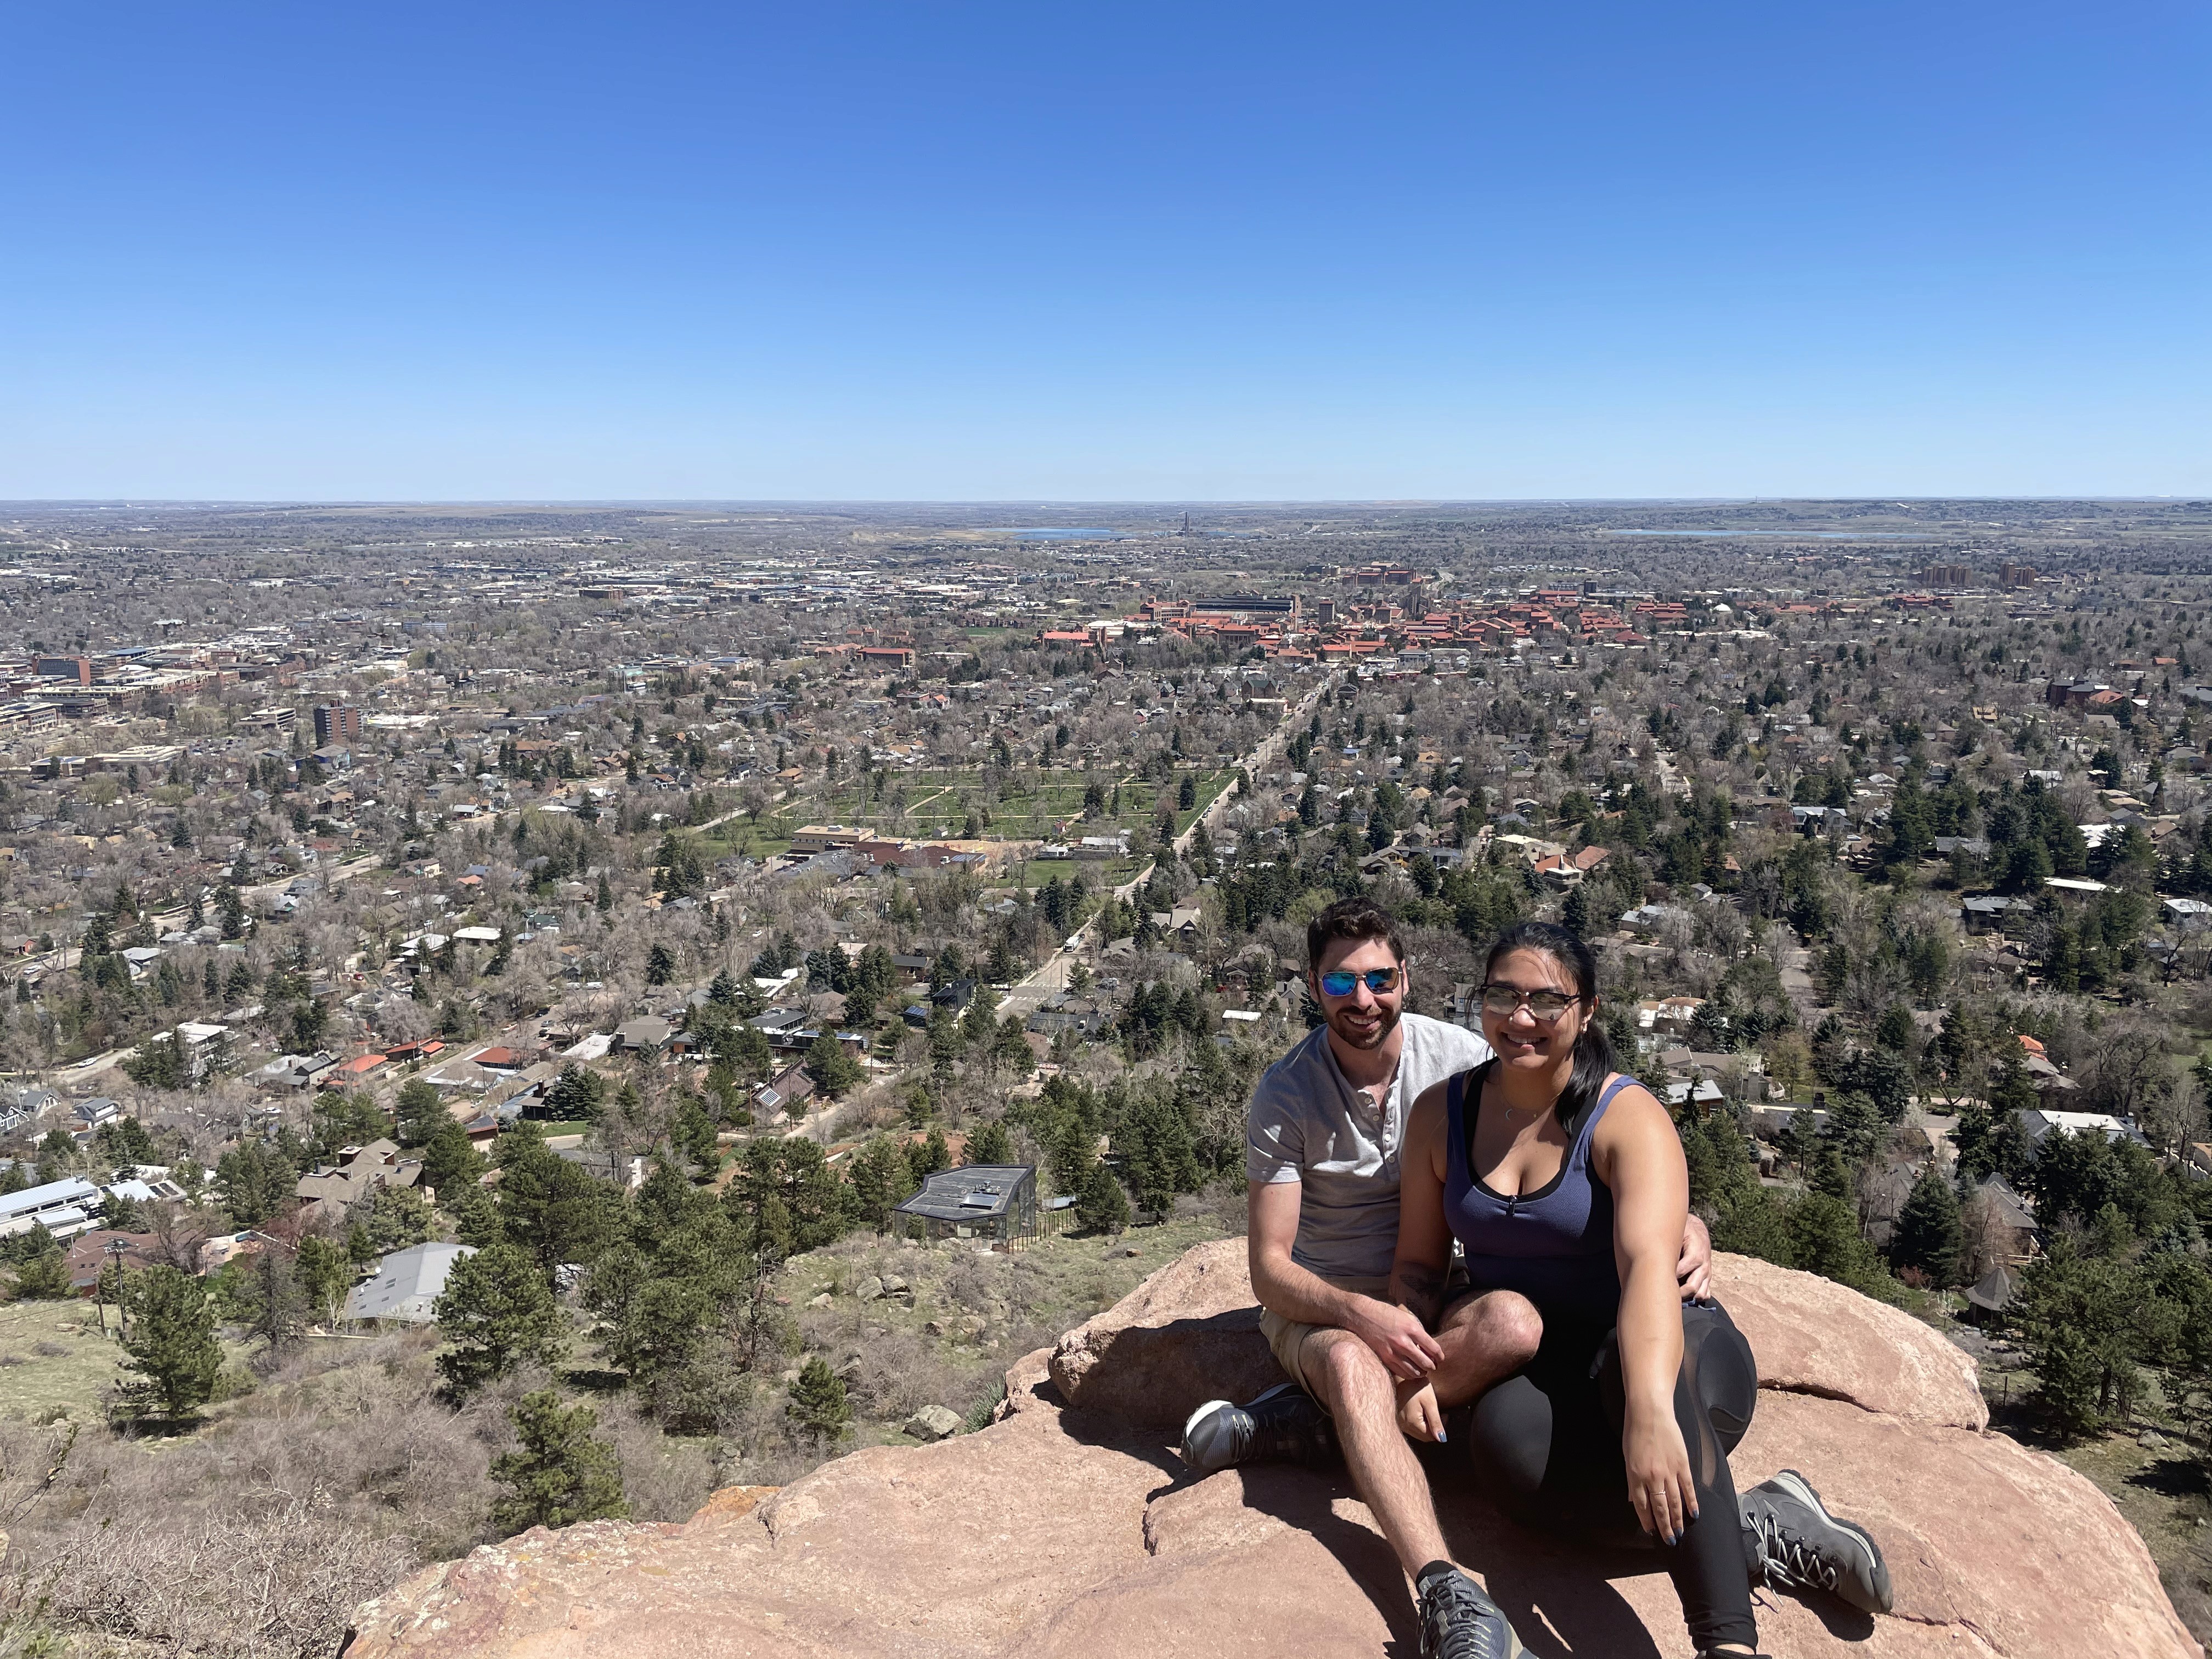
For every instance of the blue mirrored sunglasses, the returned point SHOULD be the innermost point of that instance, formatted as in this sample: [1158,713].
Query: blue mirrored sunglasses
[1379,980]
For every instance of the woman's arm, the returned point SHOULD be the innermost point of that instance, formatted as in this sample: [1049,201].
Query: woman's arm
[1423,1258]
[1422,1262]
[1639,1156]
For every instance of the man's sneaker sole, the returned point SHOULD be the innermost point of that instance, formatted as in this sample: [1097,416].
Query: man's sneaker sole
[1877,1569]
[1199,1448]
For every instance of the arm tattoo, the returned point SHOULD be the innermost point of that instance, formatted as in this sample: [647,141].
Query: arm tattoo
[1420,1290]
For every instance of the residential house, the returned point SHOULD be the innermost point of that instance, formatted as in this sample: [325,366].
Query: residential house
[406,1284]
[334,1189]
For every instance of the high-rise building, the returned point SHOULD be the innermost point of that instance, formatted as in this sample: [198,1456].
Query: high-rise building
[336,723]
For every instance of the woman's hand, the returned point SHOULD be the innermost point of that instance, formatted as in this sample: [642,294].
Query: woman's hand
[1420,1417]
[1658,1472]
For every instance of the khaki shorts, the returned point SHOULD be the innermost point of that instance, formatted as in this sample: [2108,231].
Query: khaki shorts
[1285,1337]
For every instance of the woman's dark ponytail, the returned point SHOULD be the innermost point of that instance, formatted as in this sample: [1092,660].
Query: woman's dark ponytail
[1595,1059]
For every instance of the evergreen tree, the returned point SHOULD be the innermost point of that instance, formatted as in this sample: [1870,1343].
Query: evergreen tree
[817,1403]
[835,1071]
[547,1205]
[1101,1206]
[692,1134]
[1854,1126]
[394,1218]
[576,1095]
[256,1181]
[881,1179]
[1010,1049]
[324,1275]
[1928,1235]
[927,1157]
[989,1143]
[660,964]
[497,1312]
[450,1162]
[1158,1156]
[280,1307]
[558,1474]
[1824,1239]
[2078,1316]
[419,1111]
[170,1339]
[44,1277]
[1754,1225]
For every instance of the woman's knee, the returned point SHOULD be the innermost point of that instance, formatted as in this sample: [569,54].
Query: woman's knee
[1507,1324]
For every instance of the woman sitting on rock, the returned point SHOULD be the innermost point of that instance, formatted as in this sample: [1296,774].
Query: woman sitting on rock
[1566,1185]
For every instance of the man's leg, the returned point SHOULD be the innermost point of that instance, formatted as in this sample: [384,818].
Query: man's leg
[1362,1398]
[1485,1339]
[1458,1619]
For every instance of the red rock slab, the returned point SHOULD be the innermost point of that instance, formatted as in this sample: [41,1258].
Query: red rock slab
[1188,1333]
[1812,1335]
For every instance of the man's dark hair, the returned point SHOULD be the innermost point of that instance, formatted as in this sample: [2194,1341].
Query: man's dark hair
[1352,918]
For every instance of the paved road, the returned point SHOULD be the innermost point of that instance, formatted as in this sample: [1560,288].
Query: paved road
[1051,974]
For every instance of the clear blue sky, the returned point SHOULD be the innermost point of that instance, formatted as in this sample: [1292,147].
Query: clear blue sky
[1112,252]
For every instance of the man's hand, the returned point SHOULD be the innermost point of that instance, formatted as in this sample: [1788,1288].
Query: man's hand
[1405,1347]
[1694,1271]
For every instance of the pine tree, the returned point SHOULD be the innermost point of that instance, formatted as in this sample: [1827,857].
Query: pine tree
[45,1277]
[450,1162]
[558,1474]
[497,1313]
[1101,1206]
[1928,1235]
[170,1338]
[576,1094]
[1824,1239]
[817,1404]
[834,1071]
[280,1305]
[990,1144]
[418,1112]
[324,1274]
[692,1134]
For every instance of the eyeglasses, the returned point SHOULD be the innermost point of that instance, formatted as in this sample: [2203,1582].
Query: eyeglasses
[1544,1005]
[1377,980]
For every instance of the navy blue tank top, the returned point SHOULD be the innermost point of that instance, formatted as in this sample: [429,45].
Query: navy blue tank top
[1554,1245]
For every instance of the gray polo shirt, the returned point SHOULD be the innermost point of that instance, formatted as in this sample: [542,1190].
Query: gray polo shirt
[1308,1124]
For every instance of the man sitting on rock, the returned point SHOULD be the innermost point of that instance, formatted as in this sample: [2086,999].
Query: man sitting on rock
[1323,1136]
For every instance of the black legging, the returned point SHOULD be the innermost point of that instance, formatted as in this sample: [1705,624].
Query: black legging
[1547,1439]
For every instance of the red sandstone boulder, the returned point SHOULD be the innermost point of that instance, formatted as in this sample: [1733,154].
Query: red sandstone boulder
[1066,1530]
[1187,1334]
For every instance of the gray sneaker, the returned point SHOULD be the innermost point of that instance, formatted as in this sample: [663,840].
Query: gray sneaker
[1802,1546]
[1458,1621]
[1284,1425]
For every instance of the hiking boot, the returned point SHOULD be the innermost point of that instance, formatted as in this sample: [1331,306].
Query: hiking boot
[1284,1425]
[1458,1621]
[1802,1546]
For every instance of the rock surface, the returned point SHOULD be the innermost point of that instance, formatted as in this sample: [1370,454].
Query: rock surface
[933,1423]
[1067,1528]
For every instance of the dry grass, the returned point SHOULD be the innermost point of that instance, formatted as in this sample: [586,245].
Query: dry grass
[337,1469]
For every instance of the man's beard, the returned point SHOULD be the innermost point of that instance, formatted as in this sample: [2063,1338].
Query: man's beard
[1386,1021]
